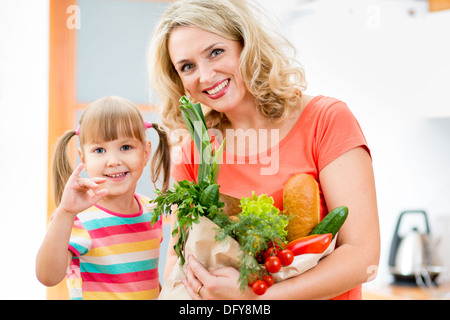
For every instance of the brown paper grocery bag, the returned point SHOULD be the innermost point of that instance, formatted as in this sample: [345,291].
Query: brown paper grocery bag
[202,245]
[211,254]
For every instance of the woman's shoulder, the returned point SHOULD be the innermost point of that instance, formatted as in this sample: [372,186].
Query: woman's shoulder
[318,106]
[306,99]
[320,101]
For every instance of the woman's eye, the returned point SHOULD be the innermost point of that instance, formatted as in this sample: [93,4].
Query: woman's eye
[186,67]
[99,150]
[125,148]
[216,52]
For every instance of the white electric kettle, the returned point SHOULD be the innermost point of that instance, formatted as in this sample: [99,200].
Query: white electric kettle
[412,256]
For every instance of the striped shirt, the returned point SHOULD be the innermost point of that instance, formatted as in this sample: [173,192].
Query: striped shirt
[115,255]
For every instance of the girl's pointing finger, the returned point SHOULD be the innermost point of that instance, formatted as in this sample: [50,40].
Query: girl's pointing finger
[76,172]
[85,183]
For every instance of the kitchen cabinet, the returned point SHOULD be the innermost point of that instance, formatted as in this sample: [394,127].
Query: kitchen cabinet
[437,5]
[436,103]
[437,109]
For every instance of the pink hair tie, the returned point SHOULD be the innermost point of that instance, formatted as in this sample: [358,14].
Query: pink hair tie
[77,131]
[147,124]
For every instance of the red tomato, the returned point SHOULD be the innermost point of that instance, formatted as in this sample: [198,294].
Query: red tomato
[270,252]
[286,256]
[273,264]
[259,287]
[277,244]
[268,279]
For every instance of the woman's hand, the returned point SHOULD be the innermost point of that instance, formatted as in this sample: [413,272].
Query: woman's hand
[219,284]
[81,193]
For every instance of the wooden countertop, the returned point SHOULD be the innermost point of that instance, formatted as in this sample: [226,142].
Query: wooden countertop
[400,292]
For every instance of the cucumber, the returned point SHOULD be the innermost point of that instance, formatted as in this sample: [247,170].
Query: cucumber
[332,222]
[210,196]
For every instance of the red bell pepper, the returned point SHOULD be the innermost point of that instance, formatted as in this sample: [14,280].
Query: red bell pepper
[316,243]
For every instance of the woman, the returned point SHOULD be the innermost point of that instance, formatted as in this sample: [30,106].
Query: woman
[219,54]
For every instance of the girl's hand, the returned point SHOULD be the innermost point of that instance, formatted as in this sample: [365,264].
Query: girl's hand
[81,193]
[221,284]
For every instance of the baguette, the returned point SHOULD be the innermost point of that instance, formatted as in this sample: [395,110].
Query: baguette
[301,201]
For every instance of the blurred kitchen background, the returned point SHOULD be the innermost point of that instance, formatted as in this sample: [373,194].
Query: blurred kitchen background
[387,59]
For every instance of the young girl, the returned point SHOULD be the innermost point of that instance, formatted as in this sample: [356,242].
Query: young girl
[100,234]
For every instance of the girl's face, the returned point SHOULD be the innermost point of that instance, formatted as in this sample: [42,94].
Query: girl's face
[208,66]
[120,161]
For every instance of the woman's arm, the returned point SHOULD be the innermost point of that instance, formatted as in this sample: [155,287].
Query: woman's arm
[348,181]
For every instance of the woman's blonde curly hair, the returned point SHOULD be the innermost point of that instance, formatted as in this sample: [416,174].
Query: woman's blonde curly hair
[275,80]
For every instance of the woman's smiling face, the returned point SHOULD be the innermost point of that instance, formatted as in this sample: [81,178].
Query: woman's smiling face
[208,66]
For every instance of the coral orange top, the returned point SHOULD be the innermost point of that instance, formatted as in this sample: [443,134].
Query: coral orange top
[325,130]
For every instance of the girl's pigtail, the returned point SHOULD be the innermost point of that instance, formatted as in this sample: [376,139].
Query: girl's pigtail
[161,158]
[61,168]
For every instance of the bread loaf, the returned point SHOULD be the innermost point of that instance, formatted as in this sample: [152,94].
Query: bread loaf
[301,201]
